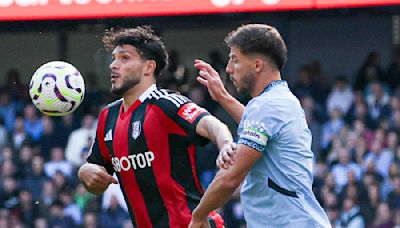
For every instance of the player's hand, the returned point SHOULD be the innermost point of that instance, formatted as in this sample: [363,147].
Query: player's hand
[95,178]
[226,155]
[210,78]
[195,223]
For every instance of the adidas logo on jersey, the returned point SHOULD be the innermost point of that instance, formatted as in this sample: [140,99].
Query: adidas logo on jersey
[109,136]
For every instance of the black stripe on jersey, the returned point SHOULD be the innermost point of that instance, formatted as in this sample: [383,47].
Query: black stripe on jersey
[97,158]
[145,177]
[112,117]
[181,169]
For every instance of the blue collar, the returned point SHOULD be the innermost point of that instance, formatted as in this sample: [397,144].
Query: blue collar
[272,84]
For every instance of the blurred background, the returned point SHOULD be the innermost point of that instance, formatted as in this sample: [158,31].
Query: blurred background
[344,66]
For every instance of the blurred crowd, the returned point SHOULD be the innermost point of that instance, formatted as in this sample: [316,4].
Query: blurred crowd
[354,120]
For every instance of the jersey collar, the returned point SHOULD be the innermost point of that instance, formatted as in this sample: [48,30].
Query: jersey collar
[273,84]
[147,92]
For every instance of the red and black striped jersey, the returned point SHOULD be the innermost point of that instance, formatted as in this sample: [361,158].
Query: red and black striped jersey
[152,149]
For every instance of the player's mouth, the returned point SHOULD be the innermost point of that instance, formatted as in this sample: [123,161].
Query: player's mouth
[232,79]
[114,77]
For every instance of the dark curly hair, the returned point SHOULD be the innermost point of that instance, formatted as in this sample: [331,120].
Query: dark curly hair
[259,39]
[148,44]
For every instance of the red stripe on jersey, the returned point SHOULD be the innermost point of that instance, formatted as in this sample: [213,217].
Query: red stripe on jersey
[174,195]
[128,179]
[105,153]
[192,157]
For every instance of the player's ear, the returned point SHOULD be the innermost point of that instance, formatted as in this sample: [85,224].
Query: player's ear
[259,65]
[149,67]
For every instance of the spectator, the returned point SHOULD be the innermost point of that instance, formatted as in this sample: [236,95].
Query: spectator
[49,194]
[14,86]
[333,216]
[64,127]
[351,216]
[394,123]
[394,196]
[24,161]
[383,217]
[9,193]
[341,170]
[41,222]
[32,123]
[378,102]
[58,218]
[370,70]
[58,163]
[83,197]
[111,192]
[8,110]
[393,73]
[397,218]
[304,86]
[374,200]
[313,118]
[331,128]
[90,220]
[19,136]
[35,180]
[60,181]
[114,216]
[50,138]
[78,139]
[341,96]
[3,134]
[381,158]
[70,209]
[26,210]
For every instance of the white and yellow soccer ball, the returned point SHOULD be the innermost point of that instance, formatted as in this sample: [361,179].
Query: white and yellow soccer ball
[57,88]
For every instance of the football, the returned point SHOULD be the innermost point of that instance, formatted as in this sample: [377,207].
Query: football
[57,88]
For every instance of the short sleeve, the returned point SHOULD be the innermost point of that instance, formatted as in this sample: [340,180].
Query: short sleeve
[260,123]
[95,156]
[186,115]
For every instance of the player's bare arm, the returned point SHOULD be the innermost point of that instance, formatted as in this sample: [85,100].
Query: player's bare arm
[210,78]
[95,178]
[213,129]
[224,184]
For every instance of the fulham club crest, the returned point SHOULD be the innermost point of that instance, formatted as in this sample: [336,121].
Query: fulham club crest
[136,129]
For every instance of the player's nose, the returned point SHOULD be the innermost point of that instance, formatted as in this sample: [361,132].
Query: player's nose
[113,65]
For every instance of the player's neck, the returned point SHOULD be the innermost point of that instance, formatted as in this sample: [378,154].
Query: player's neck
[263,81]
[134,93]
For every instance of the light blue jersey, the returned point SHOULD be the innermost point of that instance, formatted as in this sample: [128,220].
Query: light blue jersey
[277,192]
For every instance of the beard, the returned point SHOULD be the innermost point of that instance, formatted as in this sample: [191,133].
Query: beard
[247,83]
[127,84]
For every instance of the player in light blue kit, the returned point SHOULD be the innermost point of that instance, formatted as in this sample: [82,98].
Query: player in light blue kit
[273,154]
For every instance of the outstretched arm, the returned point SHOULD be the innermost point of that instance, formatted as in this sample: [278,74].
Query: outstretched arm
[210,78]
[213,129]
[224,184]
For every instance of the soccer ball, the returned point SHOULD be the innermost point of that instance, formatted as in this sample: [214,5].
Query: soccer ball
[57,88]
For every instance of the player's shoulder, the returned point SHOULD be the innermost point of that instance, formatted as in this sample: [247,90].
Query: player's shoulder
[114,104]
[166,98]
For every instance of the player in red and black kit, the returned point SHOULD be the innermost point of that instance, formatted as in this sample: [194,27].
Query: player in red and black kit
[149,136]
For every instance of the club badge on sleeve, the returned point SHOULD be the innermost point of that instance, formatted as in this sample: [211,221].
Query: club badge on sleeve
[190,112]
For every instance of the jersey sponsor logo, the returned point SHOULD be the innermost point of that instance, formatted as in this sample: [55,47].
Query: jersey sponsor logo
[134,161]
[136,129]
[109,135]
[190,112]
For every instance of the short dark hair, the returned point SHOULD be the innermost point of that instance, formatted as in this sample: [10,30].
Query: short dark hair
[259,39]
[143,38]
